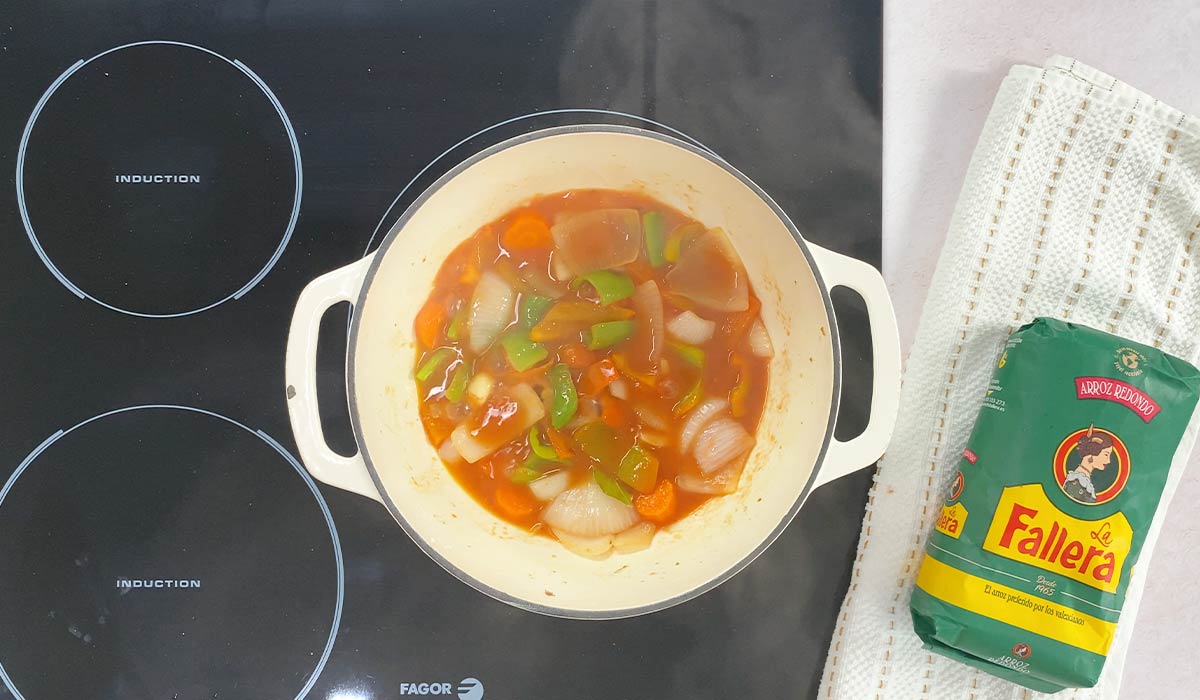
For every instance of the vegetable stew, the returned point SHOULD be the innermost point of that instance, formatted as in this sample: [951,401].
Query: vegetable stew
[592,366]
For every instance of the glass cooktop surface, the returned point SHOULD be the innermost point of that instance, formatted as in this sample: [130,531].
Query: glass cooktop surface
[177,173]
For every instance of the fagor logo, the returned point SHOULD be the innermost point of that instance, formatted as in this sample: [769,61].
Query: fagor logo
[467,689]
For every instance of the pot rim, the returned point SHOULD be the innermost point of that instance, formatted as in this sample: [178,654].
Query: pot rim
[551,610]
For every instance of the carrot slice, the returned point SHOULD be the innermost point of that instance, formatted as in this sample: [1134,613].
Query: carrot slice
[515,502]
[562,446]
[528,230]
[658,506]
[614,412]
[430,320]
[597,376]
[576,356]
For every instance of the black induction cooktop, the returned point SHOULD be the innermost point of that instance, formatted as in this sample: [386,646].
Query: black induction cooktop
[177,172]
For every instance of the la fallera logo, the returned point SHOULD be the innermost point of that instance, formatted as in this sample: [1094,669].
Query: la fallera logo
[1092,466]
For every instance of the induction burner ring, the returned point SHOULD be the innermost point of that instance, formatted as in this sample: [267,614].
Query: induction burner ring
[276,447]
[38,245]
[512,120]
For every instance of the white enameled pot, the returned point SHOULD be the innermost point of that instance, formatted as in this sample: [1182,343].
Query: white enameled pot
[396,466]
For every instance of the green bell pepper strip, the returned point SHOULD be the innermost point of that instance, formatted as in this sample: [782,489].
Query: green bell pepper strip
[609,333]
[541,449]
[654,230]
[639,469]
[691,398]
[566,400]
[458,325]
[532,308]
[435,361]
[604,445]
[522,352]
[690,354]
[610,286]
[457,387]
[611,487]
[527,471]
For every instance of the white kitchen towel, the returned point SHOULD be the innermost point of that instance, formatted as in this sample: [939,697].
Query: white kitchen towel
[1082,202]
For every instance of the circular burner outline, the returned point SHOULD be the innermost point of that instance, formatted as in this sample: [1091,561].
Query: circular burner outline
[71,286]
[512,120]
[312,486]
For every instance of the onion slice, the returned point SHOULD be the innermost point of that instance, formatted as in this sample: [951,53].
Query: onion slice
[720,483]
[692,329]
[722,442]
[588,512]
[590,547]
[600,239]
[697,419]
[634,539]
[760,341]
[548,487]
[491,310]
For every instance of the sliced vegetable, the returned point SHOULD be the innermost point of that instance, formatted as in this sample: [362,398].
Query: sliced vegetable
[621,362]
[597,376]
[558,267]
[659,505]
[647,344]
[609,333]
[611,487]
[740,393]
[566,400]
[576,356]
[480,388]
[448,454]
[516,501]
[590,547]
[428,325]
[654,231]
[528,230]
[691,328]
[532,308]
[710,273]
[760,341]
[540,449]
[690,354]
[639,469]
[721,442]
[560,442]
[654,438]
[522,352]
[602,444]
[619,389]
[681,235]
[506,415]
[529,470]
[718,483]
[587,511]
[635,539]
[614,413]
[491,310]
[570,318]
[458,383]
[650,416]
[599,239]
[458,325]
[697,419]
[434,362]
[610,286]
[550,485]
[689,400]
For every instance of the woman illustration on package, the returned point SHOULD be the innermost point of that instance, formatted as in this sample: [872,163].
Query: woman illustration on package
[1096,452]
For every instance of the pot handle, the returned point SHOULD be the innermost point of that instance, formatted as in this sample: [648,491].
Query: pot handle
[300,377]
[847,457]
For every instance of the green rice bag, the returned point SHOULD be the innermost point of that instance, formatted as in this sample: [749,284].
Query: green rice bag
[1027,568]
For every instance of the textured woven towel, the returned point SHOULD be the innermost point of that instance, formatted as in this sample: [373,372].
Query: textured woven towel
[1080,202]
